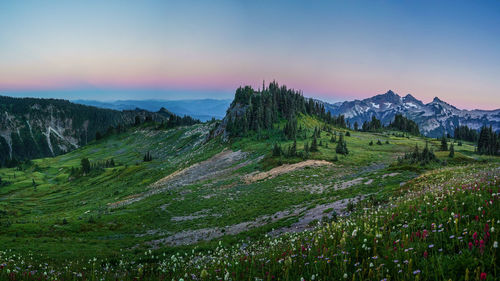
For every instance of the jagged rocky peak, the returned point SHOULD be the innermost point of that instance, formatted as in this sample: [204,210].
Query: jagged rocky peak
[410,98]
[437,100]
[389,96]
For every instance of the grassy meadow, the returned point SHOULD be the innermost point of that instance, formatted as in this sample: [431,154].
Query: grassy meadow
[213,210]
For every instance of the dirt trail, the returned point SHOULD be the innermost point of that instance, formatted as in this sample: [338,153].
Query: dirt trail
[219,165]
[188,237]
[283,169]
[317,213]
[307,216]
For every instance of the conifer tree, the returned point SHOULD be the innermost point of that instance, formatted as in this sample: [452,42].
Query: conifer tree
[85,165]
[444,143]
[276,150]
[452,151]
[342,146]
[293,150]
[314,144]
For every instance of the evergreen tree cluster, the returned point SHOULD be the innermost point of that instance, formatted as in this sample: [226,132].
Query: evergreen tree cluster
[172,122]
[290,151]
[372,126]
[87,167]
[465,133]
[257,110]
[176,121]
[425,157]
[488,142]
[404,124]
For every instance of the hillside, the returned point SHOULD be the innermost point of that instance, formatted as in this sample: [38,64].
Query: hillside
[434,119]
[34,128]
[218,201]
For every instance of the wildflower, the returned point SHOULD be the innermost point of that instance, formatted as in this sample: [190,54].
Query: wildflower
[431,246]
[345,275]
[483,275]
[495,244]
[416,272]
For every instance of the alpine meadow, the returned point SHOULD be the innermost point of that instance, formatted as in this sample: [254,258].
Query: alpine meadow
[141,141]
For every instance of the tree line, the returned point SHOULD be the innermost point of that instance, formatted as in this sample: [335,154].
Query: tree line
[400,123]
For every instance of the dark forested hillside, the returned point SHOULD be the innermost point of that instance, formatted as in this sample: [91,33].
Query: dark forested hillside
[32,128]
[404,124]
[253,110]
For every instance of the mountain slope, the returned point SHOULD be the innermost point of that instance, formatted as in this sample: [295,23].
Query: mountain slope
[434,118]
[33,128]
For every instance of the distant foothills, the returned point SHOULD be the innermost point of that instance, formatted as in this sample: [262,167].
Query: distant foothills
[202,109]
[434,119]
[33,128]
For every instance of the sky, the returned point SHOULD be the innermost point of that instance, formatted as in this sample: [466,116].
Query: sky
[331,50]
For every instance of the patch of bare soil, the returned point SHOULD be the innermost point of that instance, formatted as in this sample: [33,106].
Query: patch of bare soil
[390,175]
[283,169]
[316,214]
[188,237]
[347,184]
[221,164]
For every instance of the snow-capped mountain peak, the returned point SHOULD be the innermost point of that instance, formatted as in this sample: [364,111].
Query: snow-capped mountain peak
[434,118]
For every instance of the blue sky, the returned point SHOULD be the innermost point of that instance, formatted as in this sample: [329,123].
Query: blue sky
[332,50]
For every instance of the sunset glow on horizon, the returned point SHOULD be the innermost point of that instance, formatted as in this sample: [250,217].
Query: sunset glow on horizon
[335,51]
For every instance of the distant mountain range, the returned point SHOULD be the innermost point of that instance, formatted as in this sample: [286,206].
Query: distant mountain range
[33,128]
[434,118]
[203,109]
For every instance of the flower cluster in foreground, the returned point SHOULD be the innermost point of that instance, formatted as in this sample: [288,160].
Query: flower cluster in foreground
[440,226]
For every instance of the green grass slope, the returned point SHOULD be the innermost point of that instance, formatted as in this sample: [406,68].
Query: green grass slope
[203,209]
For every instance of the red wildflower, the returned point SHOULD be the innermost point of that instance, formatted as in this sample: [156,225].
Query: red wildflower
[483,276]
[426,254]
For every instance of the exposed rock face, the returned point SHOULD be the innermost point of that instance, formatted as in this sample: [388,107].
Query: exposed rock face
[433,119]
[32,128]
